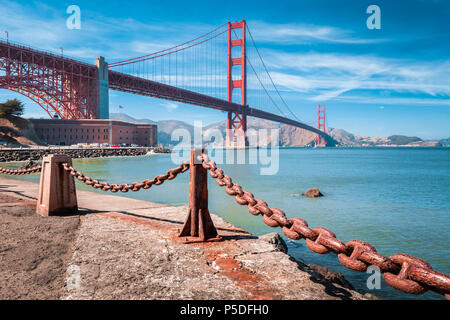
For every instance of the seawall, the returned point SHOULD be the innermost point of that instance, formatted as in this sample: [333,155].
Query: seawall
[17,154]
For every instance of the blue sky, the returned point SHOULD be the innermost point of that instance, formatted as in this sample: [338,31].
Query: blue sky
[373,82]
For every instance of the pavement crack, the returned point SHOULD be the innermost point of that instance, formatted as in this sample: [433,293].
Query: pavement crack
[246,252]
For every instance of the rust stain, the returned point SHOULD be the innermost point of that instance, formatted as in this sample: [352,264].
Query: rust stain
[255,284]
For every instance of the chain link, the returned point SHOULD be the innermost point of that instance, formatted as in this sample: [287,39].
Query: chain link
[401,271]
[135,186]
[20,171]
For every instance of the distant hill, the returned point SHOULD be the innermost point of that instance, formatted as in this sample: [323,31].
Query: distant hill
[445,142]
[403,140]
[16,131]
[296,137]
[165,127]
[289,136]
[253,125]
[127,118]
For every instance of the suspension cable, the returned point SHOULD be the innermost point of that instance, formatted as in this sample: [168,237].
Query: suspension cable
[132,60]
[259,80]
[276,89]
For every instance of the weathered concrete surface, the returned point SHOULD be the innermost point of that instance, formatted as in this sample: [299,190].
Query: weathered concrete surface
[129,249]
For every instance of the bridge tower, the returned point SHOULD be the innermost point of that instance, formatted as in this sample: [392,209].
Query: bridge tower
[102,111]
[236,122]
[321,125]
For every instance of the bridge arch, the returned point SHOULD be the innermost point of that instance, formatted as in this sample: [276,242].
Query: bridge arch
[58,85]
[42,98]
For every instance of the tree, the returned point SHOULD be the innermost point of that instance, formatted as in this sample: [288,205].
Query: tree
[12,107]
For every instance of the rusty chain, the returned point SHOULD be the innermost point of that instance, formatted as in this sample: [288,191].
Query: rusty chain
[135,186]
[401,271]
[20,171]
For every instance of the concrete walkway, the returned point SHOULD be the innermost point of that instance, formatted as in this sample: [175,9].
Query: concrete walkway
[129,249]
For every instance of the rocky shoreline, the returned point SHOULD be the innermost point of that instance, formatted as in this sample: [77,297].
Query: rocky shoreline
[16,154]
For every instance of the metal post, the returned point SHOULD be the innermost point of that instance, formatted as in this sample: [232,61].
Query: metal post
[199,226]
[57,194]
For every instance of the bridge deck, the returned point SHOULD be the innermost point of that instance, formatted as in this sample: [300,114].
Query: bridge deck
[131,84]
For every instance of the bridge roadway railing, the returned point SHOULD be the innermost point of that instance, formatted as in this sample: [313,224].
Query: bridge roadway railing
[401,271]
[136,85]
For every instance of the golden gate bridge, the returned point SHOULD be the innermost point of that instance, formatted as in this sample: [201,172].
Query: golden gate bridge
[220,69]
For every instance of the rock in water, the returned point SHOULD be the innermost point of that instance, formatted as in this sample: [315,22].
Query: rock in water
[313,193]
[275,239]
[29,164]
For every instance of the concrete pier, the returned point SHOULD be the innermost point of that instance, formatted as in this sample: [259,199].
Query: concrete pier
[129,249]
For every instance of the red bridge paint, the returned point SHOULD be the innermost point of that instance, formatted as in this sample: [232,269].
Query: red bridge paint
[236,121]
[321,125]
[59,85]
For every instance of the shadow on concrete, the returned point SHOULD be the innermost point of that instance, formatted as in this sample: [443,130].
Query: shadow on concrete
[237,234]
[330,287]
[15,192]
[241,234]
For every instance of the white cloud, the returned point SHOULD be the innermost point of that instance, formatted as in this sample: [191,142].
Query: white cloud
[394,101]
[326,76]
[294,33]
[312,75]
[44,27]
[170,106]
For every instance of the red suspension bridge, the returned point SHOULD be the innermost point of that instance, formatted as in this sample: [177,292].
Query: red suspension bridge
[216,70]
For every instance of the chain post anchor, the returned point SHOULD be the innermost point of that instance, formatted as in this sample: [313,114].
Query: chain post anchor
[199,226]
[57,193]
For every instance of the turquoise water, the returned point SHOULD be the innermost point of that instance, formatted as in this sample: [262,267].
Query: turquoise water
[396,199]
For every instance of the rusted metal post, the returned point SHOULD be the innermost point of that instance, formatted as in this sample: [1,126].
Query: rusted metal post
[57,194]
[199,226]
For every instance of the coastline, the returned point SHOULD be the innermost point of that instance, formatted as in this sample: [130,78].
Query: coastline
[24,154]
[158,266]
